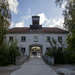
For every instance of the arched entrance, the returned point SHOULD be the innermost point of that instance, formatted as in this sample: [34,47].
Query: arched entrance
[35,50]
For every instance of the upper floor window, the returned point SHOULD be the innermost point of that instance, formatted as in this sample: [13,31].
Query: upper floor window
[23,38]
[60,39]
[35,38]
[73,5]
[48,38]
[11,38]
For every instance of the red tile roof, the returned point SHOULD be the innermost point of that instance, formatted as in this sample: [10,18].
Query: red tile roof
[43,30]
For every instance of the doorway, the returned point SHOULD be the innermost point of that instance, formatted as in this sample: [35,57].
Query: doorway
[35,51]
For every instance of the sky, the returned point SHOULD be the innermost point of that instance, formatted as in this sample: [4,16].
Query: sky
[23,10]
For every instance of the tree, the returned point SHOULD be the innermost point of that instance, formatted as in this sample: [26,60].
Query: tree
[55,51]
[69,14]
[69,18]
[13,52]
[69,24]
[71,41]
[5,17]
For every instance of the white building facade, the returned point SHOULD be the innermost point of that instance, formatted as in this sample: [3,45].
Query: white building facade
[35,38]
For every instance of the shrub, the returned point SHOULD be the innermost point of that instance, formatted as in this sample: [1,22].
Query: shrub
[60,56]
[69,57]
[57,54]
[4,52]
[8,54]
[13,53]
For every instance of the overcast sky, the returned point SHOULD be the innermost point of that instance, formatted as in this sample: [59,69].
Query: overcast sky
[22,10]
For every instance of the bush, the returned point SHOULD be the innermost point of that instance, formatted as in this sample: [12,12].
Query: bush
[57,54]
[13,53]
[8,54]
[59,57]
[4,52]
[69,57]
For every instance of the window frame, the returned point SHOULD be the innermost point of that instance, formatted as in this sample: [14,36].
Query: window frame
[60,39]
[48,38]
[36,39]
[23,50]
[11,38]
[23,38]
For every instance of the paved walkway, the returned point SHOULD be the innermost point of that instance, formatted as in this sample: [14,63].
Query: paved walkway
[35,66]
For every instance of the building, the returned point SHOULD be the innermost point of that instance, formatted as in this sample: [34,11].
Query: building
[33,40]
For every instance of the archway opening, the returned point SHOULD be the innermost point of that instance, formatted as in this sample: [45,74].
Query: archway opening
[35,51]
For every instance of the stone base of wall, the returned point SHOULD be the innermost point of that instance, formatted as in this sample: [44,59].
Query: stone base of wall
[49,60]
[21,59]
[5,73]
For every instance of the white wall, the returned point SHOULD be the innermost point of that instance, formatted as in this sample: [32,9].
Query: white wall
[42,40]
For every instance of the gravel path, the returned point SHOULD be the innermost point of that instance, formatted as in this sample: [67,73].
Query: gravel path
[35,66]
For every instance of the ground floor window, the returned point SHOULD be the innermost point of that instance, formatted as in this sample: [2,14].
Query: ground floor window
[48,48]
[23,50]
[60,48]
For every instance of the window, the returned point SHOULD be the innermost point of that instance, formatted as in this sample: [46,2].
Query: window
[60,48]
[23,50]
[35,18]
[73,5]
[35,38]
[23,38]
[48,48]
[60,39]
[11,38]
[48,38]
[4,37]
